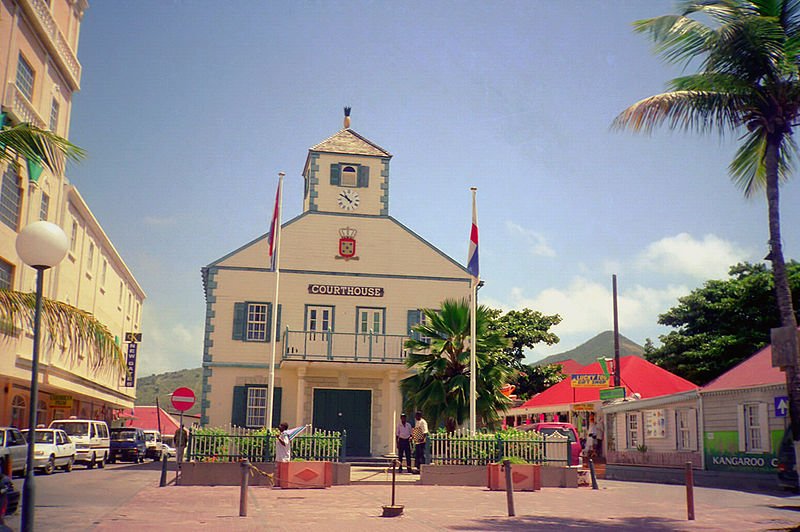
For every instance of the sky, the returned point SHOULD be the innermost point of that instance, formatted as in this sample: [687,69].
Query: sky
[189,109]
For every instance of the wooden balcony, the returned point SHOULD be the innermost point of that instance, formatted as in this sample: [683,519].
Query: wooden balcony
[344,347]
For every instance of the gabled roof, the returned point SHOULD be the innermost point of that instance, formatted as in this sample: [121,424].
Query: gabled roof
[146,418]
[348,141]
[637,376]
[569,366]
[754,371]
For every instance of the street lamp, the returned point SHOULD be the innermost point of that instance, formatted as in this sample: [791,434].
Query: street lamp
[41,245]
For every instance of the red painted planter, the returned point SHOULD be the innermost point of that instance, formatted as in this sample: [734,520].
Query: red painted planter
[304,475]
[525,477]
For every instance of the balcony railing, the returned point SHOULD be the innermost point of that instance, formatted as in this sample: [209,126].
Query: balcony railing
[21,109]
[344,347]
[43,20]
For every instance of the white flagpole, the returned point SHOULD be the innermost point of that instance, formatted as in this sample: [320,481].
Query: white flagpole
[273,332]
[473,387]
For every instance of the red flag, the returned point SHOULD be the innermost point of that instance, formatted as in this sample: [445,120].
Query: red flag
[274,228]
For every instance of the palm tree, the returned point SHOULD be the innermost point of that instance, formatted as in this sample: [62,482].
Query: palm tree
[439,352]
[74,331]
[748,56]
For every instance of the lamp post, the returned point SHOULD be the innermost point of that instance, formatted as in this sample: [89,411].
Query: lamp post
[41,245]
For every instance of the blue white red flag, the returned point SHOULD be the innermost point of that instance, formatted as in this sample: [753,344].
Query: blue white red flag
[274,228]
[472,260]
[291,433]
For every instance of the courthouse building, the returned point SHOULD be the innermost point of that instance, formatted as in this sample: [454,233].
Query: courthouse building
[352,283]
[40,72]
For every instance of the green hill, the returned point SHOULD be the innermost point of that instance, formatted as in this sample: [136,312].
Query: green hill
[589,351]
[163,384]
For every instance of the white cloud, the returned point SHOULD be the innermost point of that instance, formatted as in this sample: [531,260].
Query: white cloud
[169,346]
[683,254]
[535,242]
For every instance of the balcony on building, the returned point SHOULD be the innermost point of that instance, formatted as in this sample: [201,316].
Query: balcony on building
[328,346]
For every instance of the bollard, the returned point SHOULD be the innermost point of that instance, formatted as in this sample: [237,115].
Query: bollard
[509,488]
[689,492]
[163,471]
[245,469]
[393,510]
[594,476]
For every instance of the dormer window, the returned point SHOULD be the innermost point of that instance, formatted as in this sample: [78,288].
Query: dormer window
[349,176]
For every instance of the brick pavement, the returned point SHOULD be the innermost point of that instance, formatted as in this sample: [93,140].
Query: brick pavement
[617,506]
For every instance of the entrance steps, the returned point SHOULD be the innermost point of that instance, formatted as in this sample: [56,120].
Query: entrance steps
[369,461]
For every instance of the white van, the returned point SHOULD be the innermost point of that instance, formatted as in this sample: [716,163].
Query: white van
[91,439]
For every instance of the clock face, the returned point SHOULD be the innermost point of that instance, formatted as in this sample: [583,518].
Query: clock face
[348,199]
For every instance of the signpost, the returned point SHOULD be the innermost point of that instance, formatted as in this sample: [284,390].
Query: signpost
[182,399]
[589,380]
[612,393]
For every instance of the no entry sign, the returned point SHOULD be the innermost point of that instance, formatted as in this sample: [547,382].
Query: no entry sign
[183,399]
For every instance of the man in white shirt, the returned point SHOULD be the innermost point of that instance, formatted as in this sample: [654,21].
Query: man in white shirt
[419,434]
[403,434]
[283,447]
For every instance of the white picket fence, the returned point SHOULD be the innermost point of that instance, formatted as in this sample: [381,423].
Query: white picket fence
[461,447]
[232,443]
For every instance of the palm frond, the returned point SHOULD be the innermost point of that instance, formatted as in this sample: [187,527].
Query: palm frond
[677,38]
[42,145]
[70,329]
[748,171]
[700,111]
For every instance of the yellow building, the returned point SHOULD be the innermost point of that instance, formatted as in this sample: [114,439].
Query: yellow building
[40,72]
[352,283]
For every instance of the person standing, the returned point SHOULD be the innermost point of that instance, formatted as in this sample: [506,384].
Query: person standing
[599,431]
[403,435]
[180,440]
[419,435]
[283,447]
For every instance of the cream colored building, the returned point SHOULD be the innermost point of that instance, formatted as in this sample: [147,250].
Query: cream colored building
[40,73]
[352,283]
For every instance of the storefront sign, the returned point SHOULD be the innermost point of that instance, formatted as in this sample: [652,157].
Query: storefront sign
[589,380]
[335,290]
[60,401]
[130,363]
[655,424]
[742,462]
[583,407]
[612,393]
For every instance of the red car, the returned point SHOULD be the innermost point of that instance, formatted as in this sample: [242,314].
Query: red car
[564,429]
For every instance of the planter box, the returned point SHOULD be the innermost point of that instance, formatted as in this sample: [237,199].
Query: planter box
[221,474]
[300,475]
[525,477]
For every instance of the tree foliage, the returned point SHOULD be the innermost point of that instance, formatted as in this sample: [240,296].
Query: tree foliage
[441,385]
[722,323]
[536,379]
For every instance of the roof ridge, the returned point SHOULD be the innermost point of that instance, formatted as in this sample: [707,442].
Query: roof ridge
[331,139]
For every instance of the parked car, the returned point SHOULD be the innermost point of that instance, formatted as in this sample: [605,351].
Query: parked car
[787,476]
[170,451]
[9,497]
[14,442]
[127,443]
[90,438]
[52,449]
[564,429]
[155,446]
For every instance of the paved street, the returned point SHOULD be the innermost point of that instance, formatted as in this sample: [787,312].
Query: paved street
[126,497]
[80,499]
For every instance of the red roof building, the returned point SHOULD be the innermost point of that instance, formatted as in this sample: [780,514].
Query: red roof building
[755,371]
[637,375]
[146,418]
[569,366]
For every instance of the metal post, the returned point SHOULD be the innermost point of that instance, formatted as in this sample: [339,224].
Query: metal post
[594,477]
[617,378]
[396,464]
[689,492]
[163,481]
[245,470]
[28,487]
[509,488]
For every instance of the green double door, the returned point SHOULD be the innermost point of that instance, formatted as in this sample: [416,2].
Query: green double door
[348,410]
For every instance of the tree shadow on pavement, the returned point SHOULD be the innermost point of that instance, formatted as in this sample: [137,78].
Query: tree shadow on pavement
[532,522]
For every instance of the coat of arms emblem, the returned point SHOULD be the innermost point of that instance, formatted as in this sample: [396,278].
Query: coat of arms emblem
[347,244]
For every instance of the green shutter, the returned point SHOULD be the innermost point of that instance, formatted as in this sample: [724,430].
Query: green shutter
[363,176]
[276,407]
[34,170]
[239,409]
[267,337]
[336,174]
[278,325]
[239,320]
[413,319]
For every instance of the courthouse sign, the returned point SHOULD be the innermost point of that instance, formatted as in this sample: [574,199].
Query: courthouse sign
[336,290]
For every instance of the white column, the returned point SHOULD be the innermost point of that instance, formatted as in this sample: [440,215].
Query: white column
[393,392]
[301,391]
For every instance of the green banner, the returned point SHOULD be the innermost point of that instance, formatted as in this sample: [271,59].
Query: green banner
[612,393]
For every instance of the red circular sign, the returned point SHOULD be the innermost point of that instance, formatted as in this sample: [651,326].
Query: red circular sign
[183,399]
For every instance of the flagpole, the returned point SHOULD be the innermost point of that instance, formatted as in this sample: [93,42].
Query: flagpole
[473,388]
[273,332]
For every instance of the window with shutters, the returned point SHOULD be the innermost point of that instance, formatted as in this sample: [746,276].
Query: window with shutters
[73,239]
[54,110]
[6,275]
[349,175]
[633,430]
[685,424]
[256,329]
[256,407]
[44,208]
[753,428]
[10,197]
[25,77]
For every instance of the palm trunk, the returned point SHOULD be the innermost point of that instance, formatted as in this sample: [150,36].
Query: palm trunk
[782,291]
